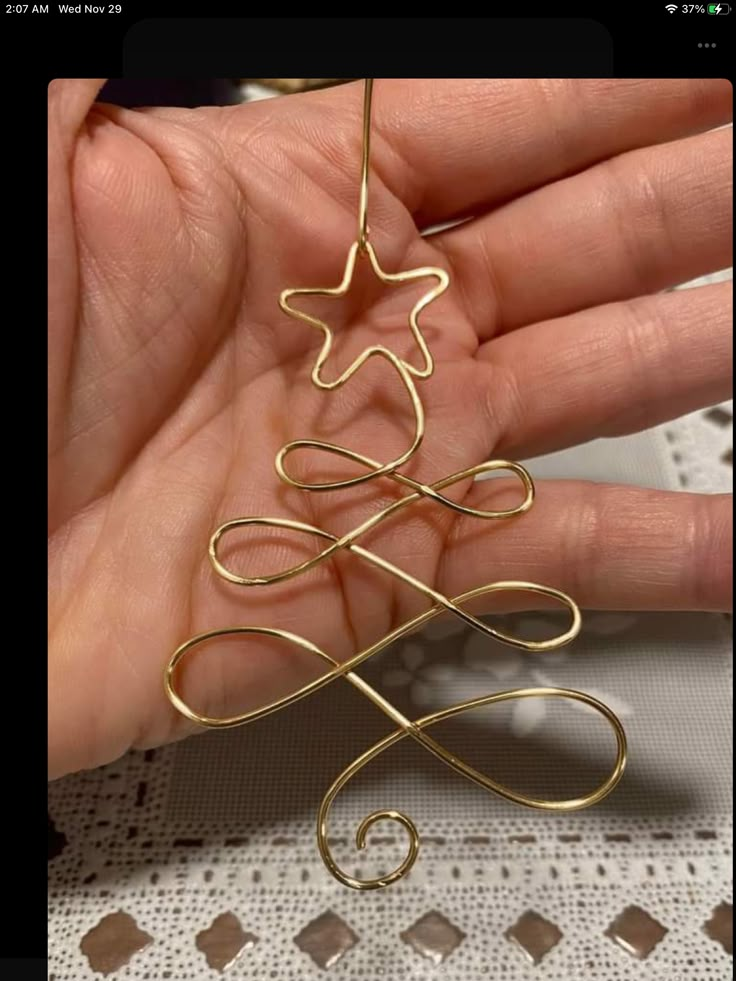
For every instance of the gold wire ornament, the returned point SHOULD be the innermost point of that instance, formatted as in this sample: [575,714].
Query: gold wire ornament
[373,469]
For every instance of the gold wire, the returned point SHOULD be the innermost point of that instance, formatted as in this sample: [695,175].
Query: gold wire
[365,165]
[440,603]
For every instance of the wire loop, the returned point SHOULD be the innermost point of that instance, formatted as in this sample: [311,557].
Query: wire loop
[373,469]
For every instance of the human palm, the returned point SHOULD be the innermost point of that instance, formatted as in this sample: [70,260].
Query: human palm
[174,378]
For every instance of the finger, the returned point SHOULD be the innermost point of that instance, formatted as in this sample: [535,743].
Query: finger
[608,371]
[452,146]
[635,224]
[609,547]
[69,101]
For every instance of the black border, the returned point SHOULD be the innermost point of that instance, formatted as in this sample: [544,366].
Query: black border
[19,969]
[647,42]
[344,47]
[219,39]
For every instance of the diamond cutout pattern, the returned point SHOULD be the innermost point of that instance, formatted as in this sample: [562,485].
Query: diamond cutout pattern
[433,936]
[326,939]
[636,931]
[224,941]
[720,926]
[111,944]
[534,935]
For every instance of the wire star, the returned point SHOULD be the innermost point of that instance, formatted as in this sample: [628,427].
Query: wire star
[422,272]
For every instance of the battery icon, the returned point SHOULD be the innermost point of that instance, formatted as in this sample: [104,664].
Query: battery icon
[719,8]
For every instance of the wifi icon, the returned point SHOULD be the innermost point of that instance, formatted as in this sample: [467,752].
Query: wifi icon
[671,7]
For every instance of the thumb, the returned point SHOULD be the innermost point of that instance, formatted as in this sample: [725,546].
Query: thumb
[69,101]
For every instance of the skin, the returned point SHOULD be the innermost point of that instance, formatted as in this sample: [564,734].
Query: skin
[174,378]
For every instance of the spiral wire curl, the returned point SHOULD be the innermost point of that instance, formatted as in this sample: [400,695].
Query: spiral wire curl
[373,469]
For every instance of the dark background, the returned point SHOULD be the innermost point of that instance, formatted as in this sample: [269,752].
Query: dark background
[207,41]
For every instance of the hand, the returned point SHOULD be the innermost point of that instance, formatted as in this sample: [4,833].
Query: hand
[174,377]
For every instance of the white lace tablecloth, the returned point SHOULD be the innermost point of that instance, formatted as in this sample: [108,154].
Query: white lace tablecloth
[637,887]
